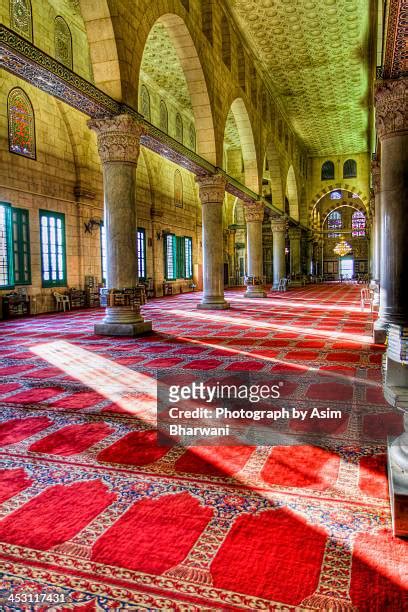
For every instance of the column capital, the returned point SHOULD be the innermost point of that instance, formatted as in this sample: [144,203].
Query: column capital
[279,224]
[211,188]
[294,233]
[376,174]
[391,107]
[118,138]
[254,211]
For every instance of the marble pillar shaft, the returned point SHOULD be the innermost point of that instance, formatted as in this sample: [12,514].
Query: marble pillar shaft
[212,191]
[278,234]
[254,214]
[295,252]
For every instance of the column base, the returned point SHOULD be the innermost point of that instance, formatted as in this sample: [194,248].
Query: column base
[216,305]
[123,329]
[398,484]
[255,291]
[380,332]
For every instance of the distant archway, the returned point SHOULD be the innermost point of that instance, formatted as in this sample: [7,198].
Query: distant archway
[238,120]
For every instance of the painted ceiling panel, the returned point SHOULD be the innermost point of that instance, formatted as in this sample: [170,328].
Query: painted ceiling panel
[315,53]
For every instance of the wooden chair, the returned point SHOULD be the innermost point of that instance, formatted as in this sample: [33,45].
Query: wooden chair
[62,301]
[366,297]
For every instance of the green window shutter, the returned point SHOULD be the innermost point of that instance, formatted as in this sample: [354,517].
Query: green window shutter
[170,262]
[180,257]
[6,247]
[188,257]
[53,251]
[21,246]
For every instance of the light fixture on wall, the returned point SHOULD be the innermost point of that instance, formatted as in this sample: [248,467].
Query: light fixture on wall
[342,248]
[91,224]
[159,235]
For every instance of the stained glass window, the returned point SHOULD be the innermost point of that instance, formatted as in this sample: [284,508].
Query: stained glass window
[327,171]
[334,222]
[141,253]
[63,42]
[164,117]
[6,265]
[21,124]
[145,102]
[21,246]
[192,137]
[335,195]
[179,128]
[178,189]
[53,255]
[358,224]
[21,18]
[350,168]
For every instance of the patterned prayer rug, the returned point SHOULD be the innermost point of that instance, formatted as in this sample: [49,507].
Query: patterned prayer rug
[93,510]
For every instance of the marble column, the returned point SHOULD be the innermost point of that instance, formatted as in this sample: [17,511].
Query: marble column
[278,232]
[212,192]
[119,147]
[391,98]
[254,214]
[295,234]
[231,254]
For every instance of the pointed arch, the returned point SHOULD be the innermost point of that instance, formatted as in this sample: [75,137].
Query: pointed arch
[164,117]
[21,18]
[145,102]
[246,138]
[21,124]
[292,194]
[183,44]
[274,175]
[179,128]
[225,42]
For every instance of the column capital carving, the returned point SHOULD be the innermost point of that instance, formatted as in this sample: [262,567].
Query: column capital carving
[278,224]
[391,107]
[376,174]
[254,211]
[294,233]
[118,138]
[211,188]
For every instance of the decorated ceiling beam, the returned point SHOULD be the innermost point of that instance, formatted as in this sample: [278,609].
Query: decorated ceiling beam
[395,57]
[23,59]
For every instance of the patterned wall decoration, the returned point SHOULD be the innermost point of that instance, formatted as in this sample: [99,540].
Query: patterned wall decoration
[21,127]
[179,128]
[164,117]
[396,55]
[21,18]
[63,42]
[315,53]
[145,102]
[192,137]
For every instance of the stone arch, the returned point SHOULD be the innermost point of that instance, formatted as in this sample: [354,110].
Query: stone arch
[106,66]
[355,205]
[275,175]
[197,87]
[246,137]
[336,187]
[225,41]
[292,194]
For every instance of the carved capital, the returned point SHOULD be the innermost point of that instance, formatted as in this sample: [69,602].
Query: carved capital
[294,233]
[279,224]
[376,173]
[211,188]
[391,107]
[254,211]
[118,138]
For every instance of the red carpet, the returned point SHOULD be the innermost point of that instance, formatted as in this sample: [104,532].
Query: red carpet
[92,508]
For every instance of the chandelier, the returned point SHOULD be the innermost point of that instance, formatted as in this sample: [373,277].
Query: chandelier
[342,248]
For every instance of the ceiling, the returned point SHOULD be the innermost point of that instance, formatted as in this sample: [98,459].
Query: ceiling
[315,53]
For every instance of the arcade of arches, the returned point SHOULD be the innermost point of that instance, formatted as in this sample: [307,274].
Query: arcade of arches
[193,188]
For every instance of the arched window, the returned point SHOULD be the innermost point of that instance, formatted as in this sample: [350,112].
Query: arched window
[21,127]
[206,19]
[63,42]
[192,137]
[335,195]
[327,171]
[225,42]
[358,224]
[179,128]
[334,222]
[164,117]
[350,168]
[21,18]
[178,189]
[145,102]
[241,66]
